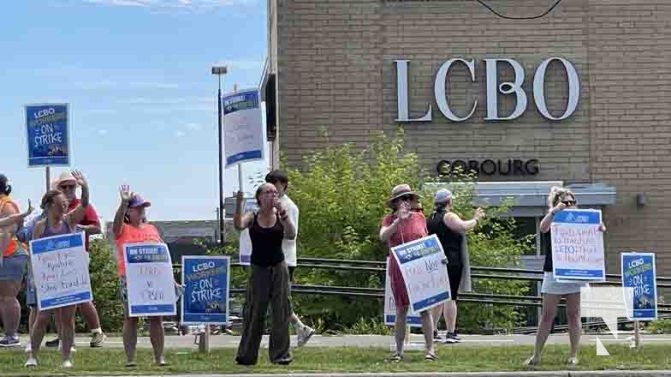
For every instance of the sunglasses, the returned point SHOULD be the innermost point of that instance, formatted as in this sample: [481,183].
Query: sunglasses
[67,187]
[569,202]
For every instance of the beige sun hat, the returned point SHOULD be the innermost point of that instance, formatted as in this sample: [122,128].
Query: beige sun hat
[400,191]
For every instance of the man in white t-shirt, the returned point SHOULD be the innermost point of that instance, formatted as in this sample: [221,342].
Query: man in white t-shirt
[281,181]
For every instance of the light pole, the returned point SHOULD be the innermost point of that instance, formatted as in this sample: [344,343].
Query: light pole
[219,71]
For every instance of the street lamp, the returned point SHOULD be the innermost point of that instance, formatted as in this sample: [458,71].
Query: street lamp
[219,71]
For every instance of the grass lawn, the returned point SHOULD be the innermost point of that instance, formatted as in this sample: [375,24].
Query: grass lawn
[450,359]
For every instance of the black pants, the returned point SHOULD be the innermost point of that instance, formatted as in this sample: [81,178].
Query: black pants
[267,285]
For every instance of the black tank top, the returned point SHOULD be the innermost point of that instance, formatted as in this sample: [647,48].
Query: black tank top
[266,243]
[546,248]
[449,239]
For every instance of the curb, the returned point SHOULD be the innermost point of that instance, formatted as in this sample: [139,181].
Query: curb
[565,373]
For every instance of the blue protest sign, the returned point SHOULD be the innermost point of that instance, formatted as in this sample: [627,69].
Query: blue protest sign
[206,289]
[577,246]
[48,135]
[639,274]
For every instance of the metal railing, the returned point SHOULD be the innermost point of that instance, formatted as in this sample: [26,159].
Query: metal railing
[478,272]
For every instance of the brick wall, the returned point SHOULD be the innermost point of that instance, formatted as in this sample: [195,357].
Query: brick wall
[336,72]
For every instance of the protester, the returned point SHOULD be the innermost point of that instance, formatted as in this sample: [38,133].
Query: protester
[268,279]
[58,222]
[552,290]
[13,262]
[130,226]
[399,227]
[450,230]
[281,182]
[90,225]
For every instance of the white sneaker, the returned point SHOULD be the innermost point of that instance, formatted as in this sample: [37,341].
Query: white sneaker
[304,334]
[31,362]
[72,349]
[67,364]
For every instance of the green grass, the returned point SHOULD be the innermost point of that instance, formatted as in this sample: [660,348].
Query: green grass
[459,358]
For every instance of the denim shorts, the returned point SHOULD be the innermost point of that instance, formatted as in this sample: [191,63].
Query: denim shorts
[14,268]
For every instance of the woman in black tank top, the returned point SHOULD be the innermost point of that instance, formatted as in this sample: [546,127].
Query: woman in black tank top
[268,279]
[451,230]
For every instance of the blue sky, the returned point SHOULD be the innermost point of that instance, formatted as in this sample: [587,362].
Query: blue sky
[136,74]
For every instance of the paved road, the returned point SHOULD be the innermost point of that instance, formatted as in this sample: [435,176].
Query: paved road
[379,341]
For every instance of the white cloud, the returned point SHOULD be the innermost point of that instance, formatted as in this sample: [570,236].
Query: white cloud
[102,132]
[179,133]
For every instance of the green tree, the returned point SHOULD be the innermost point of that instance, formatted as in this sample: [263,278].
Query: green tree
[341,194]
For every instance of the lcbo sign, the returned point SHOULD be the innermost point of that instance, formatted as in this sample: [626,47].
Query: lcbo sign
[493,90]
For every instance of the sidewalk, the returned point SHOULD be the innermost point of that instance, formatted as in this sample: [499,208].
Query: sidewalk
[378,341]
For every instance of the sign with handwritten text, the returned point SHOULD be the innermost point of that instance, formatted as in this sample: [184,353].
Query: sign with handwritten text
[48,136]
[149,280]
[577,245]
[245,244]
[639,273]
[243,127]
[423,271]
[206,282]
[61,271]
[413,319]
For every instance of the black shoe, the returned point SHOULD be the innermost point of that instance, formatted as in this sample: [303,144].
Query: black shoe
[283,361]
[52,343]
[244,362]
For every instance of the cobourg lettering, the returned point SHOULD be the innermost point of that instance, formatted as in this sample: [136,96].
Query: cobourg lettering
[489,167]
[493,90]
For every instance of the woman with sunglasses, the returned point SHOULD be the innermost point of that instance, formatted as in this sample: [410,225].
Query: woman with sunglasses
[401,226]
[552,290]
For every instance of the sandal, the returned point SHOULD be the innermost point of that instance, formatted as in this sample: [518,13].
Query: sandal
[394,358]
[430,356]
[572,362]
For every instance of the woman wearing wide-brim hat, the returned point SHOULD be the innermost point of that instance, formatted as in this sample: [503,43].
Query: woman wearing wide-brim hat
[401,226]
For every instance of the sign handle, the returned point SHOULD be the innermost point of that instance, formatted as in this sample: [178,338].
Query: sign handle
[637,334]
[47,175]
[240,176]
[204,341]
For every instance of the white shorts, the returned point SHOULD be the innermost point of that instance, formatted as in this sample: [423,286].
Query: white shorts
[553,287]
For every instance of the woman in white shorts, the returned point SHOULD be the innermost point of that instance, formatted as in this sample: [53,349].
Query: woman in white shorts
[552,290]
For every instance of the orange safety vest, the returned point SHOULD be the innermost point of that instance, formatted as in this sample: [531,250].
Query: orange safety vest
[13,244]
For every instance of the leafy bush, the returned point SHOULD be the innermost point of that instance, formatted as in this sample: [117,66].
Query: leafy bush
[341,195]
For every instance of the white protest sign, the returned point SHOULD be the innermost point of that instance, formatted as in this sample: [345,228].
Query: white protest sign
[61,271]
[413,319]
[243,127]
[423,271]
[577,246]
[245,244]
[149,280]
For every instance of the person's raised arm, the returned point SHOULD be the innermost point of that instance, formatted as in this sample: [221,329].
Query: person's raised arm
[458,225]
[544,226]
[17,217]
[241,221]
[126,195]
[75,216]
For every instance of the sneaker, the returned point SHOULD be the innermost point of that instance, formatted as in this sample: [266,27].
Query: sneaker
[72,349]
[436,336]
[10,341]
[304,334]
[31,362]
[67,364]
[97,339]
[456,336]
[450,338]
[52,343]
